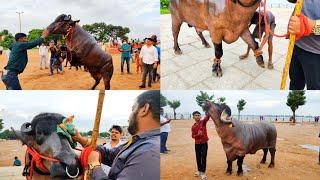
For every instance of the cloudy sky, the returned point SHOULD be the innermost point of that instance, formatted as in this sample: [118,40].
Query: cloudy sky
[19,107]
[141,16]
[258,102]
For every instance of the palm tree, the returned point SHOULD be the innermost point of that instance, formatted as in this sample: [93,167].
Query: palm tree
[294,100]
[240,107]
[202,97]
[163,101]
[174,104]
[222,100]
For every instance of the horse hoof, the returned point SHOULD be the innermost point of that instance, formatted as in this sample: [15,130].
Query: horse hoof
[207,46]
[260,61]
[240,173]
[271,166]
[178,52]
[228,172]
[262,162]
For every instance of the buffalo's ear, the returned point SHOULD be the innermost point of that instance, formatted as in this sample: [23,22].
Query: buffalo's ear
[292,1]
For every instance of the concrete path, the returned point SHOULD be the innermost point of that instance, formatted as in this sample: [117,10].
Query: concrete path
[192,69]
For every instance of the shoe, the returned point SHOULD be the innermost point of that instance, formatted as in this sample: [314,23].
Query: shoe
[197,174]
[164,152]
[203,177]
[270,65]
[142,86]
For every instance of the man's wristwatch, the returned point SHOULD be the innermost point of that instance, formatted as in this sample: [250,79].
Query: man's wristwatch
[316,29]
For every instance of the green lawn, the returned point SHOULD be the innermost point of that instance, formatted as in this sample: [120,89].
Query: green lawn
[164,11]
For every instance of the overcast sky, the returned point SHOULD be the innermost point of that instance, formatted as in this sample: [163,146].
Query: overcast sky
[258,102]
[17,107]
[141,16]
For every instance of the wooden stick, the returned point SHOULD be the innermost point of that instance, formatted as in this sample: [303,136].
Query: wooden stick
[285,72]
[95,131]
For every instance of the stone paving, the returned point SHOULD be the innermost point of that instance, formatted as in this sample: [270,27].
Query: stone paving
[192,69]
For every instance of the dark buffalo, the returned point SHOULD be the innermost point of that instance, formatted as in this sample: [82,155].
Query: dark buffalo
[84,49]
[239,139]
[41,135]
[224,23]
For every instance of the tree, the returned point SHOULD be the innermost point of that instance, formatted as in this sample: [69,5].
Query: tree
[103,32]
[174,104]
[222,100]
[7,41]
[89,133]
[202,97]
[294,100]
[104,134]
[36,34]
[7,134]
[1,124]
[240,107]
[4,32]
[163,101]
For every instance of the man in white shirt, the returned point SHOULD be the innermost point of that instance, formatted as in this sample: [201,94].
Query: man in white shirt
[164,129]
[149,58]
[115,135]
[43,56]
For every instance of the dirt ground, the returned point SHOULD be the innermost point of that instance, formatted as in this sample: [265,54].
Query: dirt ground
[11,148]
[292,162]
[34,78]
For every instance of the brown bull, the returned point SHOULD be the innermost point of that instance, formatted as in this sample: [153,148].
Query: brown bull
[239,139]
[86,49]
[224,23]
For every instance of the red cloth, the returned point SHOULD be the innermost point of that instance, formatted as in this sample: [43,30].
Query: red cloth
[200,126]
[304,27]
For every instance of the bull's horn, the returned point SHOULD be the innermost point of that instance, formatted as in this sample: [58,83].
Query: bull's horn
[26,128]
[225,117]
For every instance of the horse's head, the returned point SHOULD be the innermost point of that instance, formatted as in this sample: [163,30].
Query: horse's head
[61,24]
[41,135]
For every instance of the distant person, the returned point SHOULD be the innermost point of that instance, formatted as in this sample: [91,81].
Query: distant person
[267,37]
[43,56]
[199,134]
[16,161]
[305,62]
[1,50]
[115,141]
[164,130]
[54,57]
[149,58]
[155,74]
[18,59]
[137,61]
[125,50]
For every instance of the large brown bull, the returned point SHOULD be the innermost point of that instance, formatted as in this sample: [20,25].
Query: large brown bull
[239,139]
[86,49]
[224,23]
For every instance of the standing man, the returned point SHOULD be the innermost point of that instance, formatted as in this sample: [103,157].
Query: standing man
[258,20]
[149,58]
[18,59]
[200,136]
[115,141]
[138,158]
[43,56]
[305,62]
[125,50]
[164,129]
[155,75]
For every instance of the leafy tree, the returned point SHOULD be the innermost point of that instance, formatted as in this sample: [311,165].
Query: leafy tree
[104,134]
[174,104]
[84,134]
[7,41]
[202,97]
[36,34]
[163,101]
[7,134]
[103,32]
[222,100]
[294,100]
[4,32]
[89,133]
[240,106]
[164,6]
[1,124]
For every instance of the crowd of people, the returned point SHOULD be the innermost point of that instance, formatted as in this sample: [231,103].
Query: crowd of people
[146,56]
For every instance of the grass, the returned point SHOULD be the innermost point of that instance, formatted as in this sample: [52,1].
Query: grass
[164,11]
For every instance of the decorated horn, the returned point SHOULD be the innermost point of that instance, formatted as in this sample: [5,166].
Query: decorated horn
[225,117]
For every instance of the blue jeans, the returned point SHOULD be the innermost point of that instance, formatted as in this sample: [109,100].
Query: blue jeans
[11,81]
[125,60]
[52,61]
[163,142]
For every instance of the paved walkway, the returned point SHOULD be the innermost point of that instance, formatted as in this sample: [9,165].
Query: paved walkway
[192,69]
